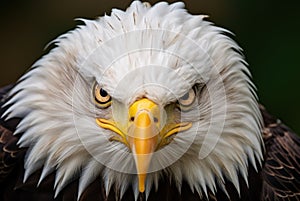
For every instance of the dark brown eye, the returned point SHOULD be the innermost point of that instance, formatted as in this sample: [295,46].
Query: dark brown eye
[102,98]
[187,99]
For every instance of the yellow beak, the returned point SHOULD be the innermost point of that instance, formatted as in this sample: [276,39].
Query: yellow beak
[143,134]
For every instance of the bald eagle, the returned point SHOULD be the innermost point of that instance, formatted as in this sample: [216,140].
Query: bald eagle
[151,103]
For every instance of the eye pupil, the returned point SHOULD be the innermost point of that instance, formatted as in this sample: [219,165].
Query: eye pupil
[103,92]
[185,97]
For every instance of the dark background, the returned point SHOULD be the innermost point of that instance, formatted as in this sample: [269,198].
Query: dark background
[268,31]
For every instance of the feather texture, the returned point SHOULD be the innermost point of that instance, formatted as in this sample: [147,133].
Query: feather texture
[157,52]
[151,43]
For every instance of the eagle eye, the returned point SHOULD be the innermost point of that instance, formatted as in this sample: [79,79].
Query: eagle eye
[187,100]
[102,98]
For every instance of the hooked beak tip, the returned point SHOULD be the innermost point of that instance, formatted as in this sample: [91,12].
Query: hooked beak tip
[142,179]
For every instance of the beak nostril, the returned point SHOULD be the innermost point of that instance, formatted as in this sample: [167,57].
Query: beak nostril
[155,119]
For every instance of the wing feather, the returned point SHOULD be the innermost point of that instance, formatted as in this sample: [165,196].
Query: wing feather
[281,172]
[9,152]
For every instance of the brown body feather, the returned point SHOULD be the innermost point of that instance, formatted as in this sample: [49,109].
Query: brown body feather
[279,178]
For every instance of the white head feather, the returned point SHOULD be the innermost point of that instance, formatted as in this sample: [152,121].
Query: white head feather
[159,52]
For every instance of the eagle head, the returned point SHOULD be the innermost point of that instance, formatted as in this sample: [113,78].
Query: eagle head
[141,94]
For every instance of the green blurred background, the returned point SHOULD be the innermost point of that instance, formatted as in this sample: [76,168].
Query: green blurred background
[268,31]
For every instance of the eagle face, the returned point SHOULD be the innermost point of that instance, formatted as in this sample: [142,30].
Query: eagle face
[142,93]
